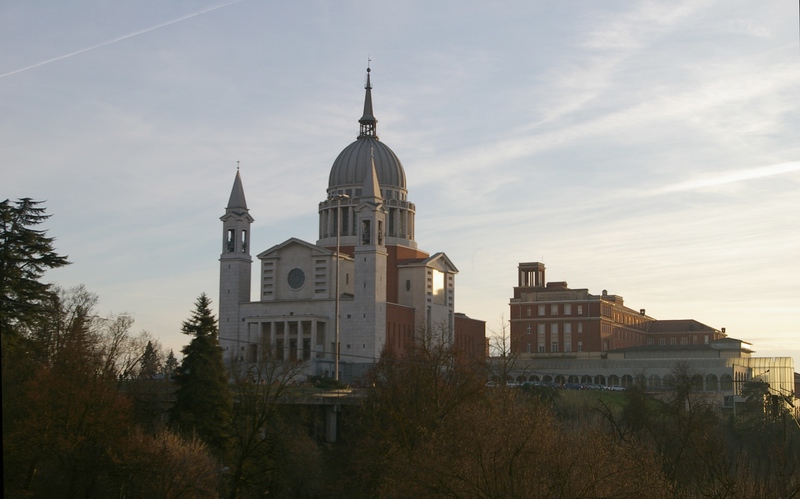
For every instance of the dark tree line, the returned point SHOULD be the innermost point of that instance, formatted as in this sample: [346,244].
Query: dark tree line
[81,417]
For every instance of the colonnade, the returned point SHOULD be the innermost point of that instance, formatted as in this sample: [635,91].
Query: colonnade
[288,338]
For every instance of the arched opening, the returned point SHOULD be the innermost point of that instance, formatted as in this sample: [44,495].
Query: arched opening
[560,380]
[572,379]
[697,383]
[534,378]
[613,380]
[600,380]
[547,378]
[669,381]
[712,385]
[627,381]
[586,379]
[520,378]
[654,382]
[725,383]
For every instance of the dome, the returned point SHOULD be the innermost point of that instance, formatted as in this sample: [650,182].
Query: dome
[353,163]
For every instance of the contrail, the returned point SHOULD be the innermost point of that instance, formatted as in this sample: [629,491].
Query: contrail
[123,37]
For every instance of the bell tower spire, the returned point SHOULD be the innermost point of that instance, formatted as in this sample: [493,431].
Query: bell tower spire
[368,121]
[235,266]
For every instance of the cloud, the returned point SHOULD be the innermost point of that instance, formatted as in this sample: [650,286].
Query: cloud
[728,178]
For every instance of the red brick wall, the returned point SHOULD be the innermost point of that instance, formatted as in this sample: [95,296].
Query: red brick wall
[399,328]
[470,338]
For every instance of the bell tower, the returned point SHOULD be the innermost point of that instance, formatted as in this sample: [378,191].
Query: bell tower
[235,266]
[370,258]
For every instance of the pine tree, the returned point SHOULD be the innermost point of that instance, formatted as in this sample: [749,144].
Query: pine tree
[203,403]
[150,363]
[25,255]
[170,365]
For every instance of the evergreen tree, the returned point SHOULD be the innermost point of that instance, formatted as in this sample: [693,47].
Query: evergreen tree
[150,364]
[170,365]
[203,403]
[25,255]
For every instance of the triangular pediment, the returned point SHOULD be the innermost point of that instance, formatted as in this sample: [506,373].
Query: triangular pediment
[438,261]
[293,244]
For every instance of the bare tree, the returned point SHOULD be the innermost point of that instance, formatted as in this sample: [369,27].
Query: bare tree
[261,439]
[503,358]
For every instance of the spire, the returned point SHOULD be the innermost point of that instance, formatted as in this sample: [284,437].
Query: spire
[368,120]
[372,188]
[237,194]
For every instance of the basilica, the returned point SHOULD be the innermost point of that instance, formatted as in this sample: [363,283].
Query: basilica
[364,281]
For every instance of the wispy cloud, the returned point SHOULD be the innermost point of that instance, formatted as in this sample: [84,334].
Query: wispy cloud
[729,178]
[119,39]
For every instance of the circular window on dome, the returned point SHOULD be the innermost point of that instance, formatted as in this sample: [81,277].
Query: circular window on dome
[296,278]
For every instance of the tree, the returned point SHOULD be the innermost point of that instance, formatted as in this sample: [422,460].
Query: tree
[503,356]
[150,363]
[413,396]
[67,418]
[272,450]
[25,255]
[170,365]
[203,404]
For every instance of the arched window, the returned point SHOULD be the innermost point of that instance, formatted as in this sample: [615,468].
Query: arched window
[572,379]
[725,383]
[534,378]
[697,383]
[560,380]
[546,378]
[711,383]
[654,382]
[627,381]
[600,380]
[586,379]
[669,381]
[613,380]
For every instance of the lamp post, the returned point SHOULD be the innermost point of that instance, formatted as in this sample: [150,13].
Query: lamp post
[338,198]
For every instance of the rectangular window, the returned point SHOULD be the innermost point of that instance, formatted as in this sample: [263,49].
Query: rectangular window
[662,341]
[529,348]
[554,346]
[649,341]
[540,337]
[580,309]
[568,328]
[580,346]
[580,327]
[554,309]
[541,310]
[673,341]
[567,339]
[568,309]
[554,329]
[529,311]
[684,341]
[528,330]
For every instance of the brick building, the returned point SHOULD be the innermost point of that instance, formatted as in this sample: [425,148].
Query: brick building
[550,319]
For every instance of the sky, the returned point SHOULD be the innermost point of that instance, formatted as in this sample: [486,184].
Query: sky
[645,148]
